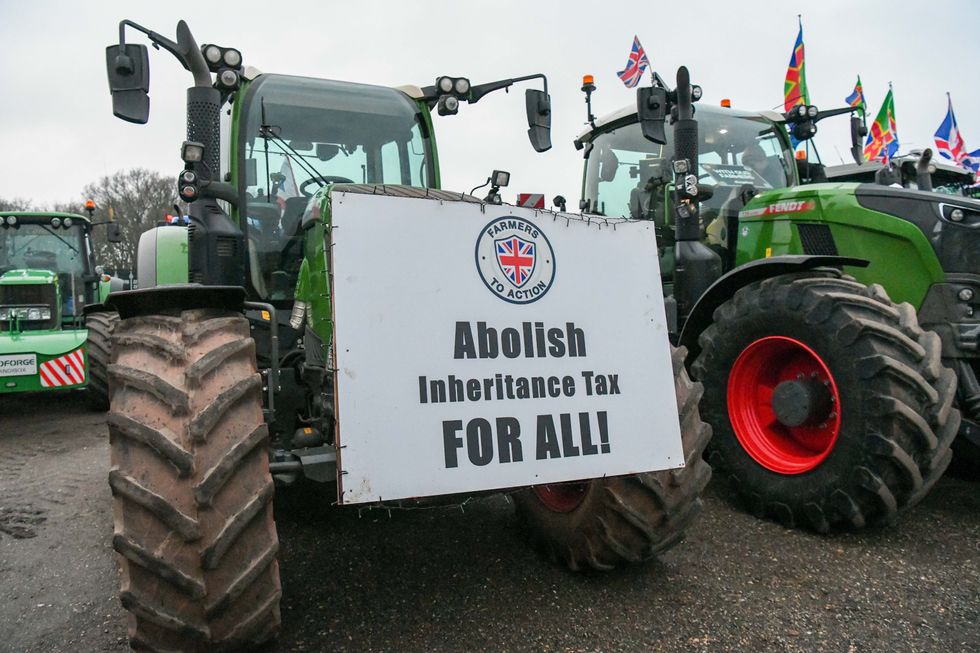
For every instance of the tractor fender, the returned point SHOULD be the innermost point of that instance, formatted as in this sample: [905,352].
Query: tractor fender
[89,309]
[724,288]
[173,298]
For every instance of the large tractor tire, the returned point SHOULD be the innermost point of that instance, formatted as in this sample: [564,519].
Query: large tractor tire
[605,523]
[98,348]
[829,404]
[192,494]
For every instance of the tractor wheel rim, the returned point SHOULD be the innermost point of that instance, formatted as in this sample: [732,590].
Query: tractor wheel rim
[562,497]
[758,371]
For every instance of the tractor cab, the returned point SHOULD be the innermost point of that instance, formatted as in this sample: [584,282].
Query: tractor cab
[47,274]
[740,154]
[299,134]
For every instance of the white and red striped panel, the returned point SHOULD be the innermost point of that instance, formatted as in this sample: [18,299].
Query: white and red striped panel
[64,370]
[530,200]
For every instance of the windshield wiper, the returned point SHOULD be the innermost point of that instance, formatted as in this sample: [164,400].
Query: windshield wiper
[267,132]
[59,238]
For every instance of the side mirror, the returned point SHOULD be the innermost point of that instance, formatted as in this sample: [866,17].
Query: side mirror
[114,233]
[538,119]
[651,109]
[128,68]
[858,132]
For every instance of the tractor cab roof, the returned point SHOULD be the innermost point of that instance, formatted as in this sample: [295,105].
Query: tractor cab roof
[627,114]
[37,216]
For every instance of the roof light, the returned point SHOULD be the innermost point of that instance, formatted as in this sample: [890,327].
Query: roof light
[232,58]
[66,223]
[212,53]
[800,155]
[11,220]
[55,222]
[726,103]
[89,205]
[587,79]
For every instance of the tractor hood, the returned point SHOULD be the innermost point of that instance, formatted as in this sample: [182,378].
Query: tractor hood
[43,343]
[950,223]
[27,277]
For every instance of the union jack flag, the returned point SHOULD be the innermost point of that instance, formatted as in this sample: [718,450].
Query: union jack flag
[636,66]
[516,258]
[950,144]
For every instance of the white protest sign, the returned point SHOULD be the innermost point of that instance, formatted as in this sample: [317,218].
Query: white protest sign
[481,347]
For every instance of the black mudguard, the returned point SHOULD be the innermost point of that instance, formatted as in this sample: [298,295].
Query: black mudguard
[724,288]
[182,297]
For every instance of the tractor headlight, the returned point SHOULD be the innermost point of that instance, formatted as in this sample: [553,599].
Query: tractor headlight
[462,86]
[965,294]
[445,84]
[232,58]
[30,313]
[212,53]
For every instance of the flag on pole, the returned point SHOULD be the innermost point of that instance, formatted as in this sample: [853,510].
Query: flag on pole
[882,143]
[636,66]
[794,88]
[950,144]
[856,98]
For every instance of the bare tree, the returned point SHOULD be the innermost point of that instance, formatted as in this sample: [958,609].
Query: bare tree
[137,199]
[15,204]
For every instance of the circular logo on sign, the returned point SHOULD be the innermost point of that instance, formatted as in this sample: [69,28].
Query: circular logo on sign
[515,260]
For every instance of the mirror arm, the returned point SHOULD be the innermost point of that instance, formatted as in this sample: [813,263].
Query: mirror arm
[477,92]
[185,50]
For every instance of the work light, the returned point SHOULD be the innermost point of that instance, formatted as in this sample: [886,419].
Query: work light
[191,151]
[66,223]
[11,220]
[212,53]
[812,111]
[55,222]
[232,58]
[499,178]
[461,86]
[445,84]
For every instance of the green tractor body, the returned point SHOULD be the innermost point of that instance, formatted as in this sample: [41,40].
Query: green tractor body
[47,279]
[793,298]
[226,366]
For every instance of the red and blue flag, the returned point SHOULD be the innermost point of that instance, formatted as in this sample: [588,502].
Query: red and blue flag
[794,88]
[950,144]
[856,98]
[882,143]
[636,66]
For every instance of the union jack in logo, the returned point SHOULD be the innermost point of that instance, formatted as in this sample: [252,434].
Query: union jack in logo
[516,259]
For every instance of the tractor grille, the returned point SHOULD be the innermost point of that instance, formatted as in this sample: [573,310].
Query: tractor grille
[817,239]
[44,294]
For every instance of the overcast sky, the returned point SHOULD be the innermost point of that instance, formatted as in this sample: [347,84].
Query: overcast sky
[58,133]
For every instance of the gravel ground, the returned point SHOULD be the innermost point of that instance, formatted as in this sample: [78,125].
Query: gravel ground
[454,579]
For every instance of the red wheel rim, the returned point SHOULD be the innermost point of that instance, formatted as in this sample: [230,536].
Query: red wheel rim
[562,497]
[759,369]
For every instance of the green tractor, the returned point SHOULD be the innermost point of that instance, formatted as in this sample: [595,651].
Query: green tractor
[828,322]
[906,170]
[225,386]
[54,331]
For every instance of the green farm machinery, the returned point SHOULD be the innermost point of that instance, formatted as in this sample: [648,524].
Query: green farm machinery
[828,322]
[225,385]
[54,330]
